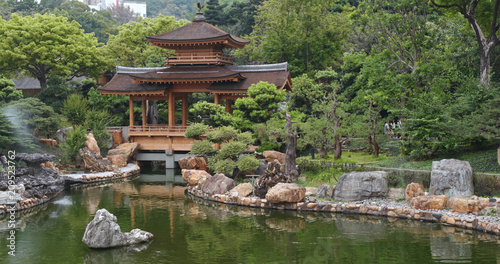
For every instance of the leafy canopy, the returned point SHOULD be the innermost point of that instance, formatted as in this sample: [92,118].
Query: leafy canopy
[47,45]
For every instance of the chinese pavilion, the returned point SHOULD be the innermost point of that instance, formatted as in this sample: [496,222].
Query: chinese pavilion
[199,65]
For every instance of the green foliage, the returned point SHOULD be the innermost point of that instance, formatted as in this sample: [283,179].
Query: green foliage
[202,148]
[222,166]
[101,23]
[75,140]
[131,48]
[56,93]
[248,163]
[245,138]
[33,116]
[96,121]
[46,45]
[6,132]
[232,150]
[306,34]
[266,145]
[222,134]
[7,91]
[261,104]
[75,109]
[213,115]
[116,105]
[196,131]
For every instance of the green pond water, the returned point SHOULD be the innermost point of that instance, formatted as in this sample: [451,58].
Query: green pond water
[189,230]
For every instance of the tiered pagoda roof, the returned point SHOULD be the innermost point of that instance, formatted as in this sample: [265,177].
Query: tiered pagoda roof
[200,65]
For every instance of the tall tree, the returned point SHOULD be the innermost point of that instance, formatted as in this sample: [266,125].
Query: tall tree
[131,48]
[304,33]
[101,23]
[46,45]
[483,19]
[123,14]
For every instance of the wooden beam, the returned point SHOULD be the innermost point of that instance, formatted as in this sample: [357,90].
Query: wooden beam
[171,108]
[131,111]
[184,109]
[229,108]
[160,98]
[144,113]
[232,97]
[217,99]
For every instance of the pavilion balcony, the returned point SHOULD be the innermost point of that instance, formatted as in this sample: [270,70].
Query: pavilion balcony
[160,137]
[212,58]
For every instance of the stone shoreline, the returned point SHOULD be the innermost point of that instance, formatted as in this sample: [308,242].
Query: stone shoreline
[79,178]
[391,209]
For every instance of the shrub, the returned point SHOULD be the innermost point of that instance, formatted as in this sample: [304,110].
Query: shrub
[248,162]
[97,120]
[196,131]
[75,140]
[222,134]
[202,148]
[222,166]
[245,138]
[75,108]
[266,145]
[232,150]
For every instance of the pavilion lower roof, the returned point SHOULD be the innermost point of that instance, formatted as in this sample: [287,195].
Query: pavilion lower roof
[128,82]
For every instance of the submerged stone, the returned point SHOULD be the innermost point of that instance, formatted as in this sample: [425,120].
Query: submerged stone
[104,232]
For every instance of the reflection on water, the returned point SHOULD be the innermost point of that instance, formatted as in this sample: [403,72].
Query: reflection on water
[191,230]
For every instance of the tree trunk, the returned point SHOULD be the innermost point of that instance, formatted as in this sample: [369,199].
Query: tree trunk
[291,171]
[376,148]
[43,83]
[484,68]
[337,151]
[153,112]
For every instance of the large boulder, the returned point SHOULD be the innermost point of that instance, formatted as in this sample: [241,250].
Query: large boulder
[324,191]
[243,190]
[286,192]
[436,202]
[218,184]
[413,190]
[195,177]
[466,205]
[92,162]
[91,143]
[117,160]
[194,163]
[451,177]
[357,186]
[34,160]
[271,155]
[104,232]
[127,150]
[396,194]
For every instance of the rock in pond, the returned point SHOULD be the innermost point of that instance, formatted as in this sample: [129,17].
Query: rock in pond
[104,232]
[357,186]
[451,177]
[94,162]
[286,192]
[218,184]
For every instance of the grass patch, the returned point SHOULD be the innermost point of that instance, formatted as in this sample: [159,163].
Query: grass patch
[480,161]
[351,157]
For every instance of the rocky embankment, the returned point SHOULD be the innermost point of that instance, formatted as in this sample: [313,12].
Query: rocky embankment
[40,180]
[364,193]
[29,186]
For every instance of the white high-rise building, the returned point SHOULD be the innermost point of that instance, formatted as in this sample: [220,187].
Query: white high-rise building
[136,7]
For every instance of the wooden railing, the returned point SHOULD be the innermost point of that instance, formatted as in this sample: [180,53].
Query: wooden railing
[157,128]
[212,58]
